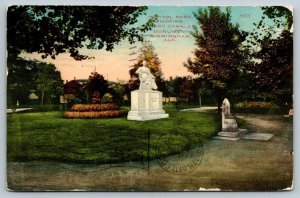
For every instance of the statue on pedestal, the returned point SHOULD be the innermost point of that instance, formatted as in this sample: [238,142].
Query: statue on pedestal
[146,102]
[229,124]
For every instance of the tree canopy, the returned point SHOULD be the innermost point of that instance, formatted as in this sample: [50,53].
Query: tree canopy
[51,30]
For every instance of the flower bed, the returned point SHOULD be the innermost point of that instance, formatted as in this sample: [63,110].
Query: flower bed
[90,111]
[247,104]
[94,107]
[94,114]
[257,108]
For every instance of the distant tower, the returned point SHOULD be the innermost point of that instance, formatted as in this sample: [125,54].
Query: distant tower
[132,55]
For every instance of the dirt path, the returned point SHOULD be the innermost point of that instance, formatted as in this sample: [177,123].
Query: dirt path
[227,165]
[262,122]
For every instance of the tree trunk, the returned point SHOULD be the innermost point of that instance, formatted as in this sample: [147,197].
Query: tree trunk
[219,102]
[200,102]
[42,99]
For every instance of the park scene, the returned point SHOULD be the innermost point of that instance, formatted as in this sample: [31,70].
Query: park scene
[149,98]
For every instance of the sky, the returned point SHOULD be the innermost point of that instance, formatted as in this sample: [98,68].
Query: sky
[172,52]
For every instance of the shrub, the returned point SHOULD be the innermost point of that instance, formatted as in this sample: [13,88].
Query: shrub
[94,107]
[73,101]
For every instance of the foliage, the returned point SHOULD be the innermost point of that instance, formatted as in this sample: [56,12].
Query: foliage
[72,100]
[168,90]
[153,63]
[243,88]
[218,55]
[118,91]
[272,70]
[72,87]
[20,80]
[275,71]
[277,12]
[52,30]
[47,136]
[107,98]
[48,80]
[176,84]
[26,76]
[97,84]
[187,89]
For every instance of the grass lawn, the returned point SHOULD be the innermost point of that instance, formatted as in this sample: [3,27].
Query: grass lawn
[48,136]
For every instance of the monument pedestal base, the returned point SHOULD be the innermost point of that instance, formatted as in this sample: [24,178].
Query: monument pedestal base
[136,116]
[237,133]
[146,105]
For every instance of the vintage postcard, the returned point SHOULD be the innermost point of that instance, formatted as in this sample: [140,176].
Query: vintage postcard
[149,98]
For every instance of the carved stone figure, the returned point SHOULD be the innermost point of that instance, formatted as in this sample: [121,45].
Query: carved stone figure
[147,80]
[226,107]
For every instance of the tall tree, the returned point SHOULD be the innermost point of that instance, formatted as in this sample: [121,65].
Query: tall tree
[176,84]
[146,53]
[218,55]
[48,81]
[51,30]
[20,80]
[187,89]
[97,85]
[272,68]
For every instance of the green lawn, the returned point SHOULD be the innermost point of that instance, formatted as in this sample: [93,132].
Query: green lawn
[48,136]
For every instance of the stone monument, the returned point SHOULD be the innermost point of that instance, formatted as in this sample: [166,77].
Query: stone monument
[229,125]
[146,102]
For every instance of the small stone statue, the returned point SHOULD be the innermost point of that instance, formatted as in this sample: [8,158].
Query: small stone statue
[229,124]
[230,129]
[147,80]
[226,107]
[228,121]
